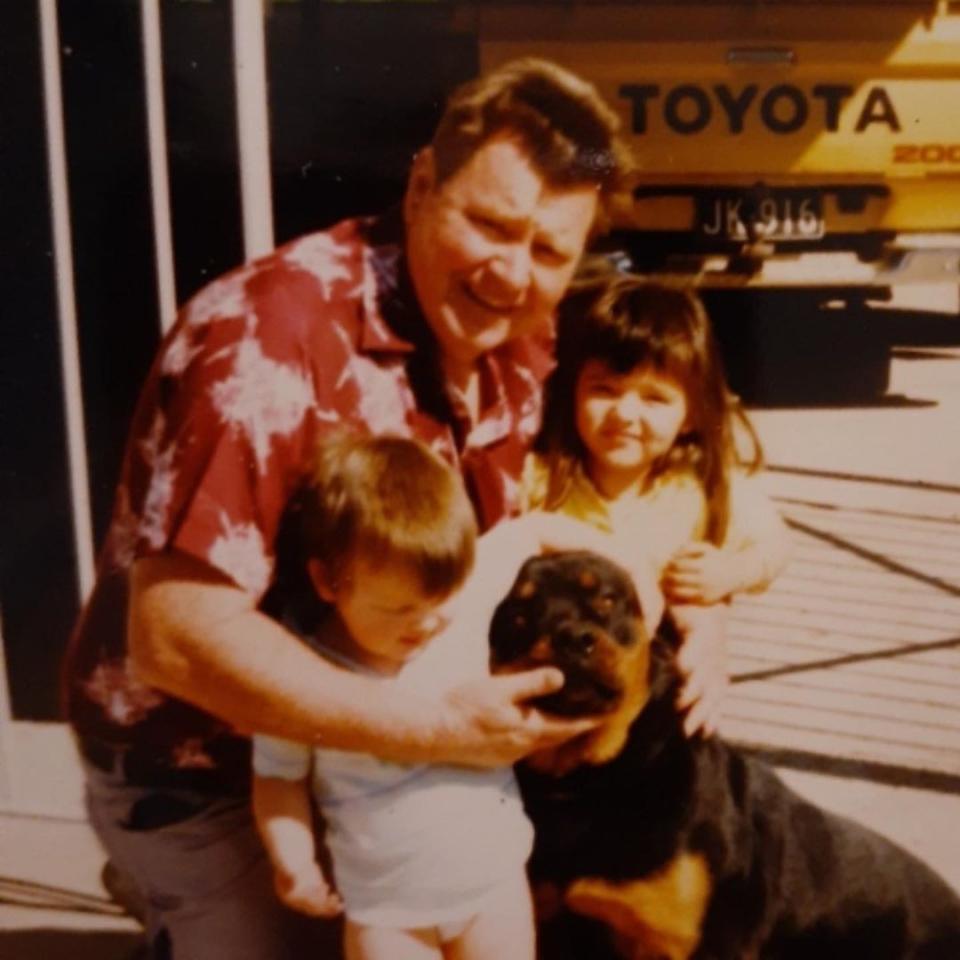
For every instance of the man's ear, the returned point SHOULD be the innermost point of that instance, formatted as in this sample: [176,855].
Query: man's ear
[420,183]
[321,580]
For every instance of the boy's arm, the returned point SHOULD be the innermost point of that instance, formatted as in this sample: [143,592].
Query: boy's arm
[284,819]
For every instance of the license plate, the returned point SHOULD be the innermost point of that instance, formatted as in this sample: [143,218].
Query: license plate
[778,215]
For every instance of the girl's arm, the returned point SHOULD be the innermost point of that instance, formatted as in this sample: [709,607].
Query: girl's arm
[702,659]
[507,545]
[757,548]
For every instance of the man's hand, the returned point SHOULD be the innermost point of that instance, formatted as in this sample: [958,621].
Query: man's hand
[306,890]
[702,659]
[490,726]
[701,573]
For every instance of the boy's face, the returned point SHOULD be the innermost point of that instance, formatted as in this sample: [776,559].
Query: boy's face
[385,610]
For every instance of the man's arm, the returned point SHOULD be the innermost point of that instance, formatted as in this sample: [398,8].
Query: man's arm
[196,635]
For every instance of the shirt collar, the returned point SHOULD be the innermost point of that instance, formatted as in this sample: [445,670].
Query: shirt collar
[391,316]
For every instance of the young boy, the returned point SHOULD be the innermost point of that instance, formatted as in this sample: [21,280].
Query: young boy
[428,860]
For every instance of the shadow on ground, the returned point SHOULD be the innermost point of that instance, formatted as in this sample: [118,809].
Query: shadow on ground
[828,401]
[47,944]
[784,353]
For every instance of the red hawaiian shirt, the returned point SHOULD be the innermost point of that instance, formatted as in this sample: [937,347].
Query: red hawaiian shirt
[324,331]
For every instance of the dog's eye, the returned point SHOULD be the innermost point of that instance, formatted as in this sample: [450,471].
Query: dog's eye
[604,604]
[525,590]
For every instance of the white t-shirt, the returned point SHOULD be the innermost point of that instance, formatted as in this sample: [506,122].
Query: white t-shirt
[414,846]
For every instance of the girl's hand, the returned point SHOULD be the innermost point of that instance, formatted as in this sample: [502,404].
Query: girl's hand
[700,573]
[306,890]
[702,659]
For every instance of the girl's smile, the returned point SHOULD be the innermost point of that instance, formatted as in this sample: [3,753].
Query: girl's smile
[626,422]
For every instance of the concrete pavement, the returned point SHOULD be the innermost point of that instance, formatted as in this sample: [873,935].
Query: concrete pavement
[52,906]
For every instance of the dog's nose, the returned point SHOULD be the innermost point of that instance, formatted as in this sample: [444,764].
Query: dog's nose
[579,643]
[569,642]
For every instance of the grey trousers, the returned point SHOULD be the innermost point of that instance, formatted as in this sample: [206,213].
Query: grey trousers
[203,873]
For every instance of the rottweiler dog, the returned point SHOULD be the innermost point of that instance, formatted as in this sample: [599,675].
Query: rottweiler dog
[650,844]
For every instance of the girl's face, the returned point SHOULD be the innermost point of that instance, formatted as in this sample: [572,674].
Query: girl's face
[626,421]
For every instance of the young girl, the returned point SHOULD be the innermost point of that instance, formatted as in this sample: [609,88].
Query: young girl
[642,438]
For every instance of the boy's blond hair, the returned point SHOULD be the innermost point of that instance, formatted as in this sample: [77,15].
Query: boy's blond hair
[390,500]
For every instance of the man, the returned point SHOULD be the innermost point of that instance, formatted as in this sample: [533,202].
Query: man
[434,329]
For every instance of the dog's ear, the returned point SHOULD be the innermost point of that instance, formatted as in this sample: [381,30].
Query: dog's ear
[668,632]
[524,588]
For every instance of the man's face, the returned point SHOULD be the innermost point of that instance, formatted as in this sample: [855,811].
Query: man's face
[493,248]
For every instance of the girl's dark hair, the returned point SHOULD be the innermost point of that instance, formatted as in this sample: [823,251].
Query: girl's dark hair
[626,322]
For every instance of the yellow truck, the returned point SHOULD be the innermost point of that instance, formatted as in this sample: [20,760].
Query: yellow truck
[798,158]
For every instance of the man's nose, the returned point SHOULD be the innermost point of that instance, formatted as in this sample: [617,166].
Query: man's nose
[509,272]
[431,624]
[630,407]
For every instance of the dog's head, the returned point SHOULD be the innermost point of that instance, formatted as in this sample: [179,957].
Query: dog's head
[579,612]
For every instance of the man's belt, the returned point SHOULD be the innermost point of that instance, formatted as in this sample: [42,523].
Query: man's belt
[139,767]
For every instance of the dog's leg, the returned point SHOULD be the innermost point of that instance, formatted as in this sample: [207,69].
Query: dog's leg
[660,916]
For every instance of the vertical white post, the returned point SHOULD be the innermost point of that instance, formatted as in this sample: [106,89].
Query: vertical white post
[6,718]
[253,130]
[66,302]
[157,147]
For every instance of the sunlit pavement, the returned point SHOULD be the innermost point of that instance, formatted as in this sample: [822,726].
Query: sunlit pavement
[850,663]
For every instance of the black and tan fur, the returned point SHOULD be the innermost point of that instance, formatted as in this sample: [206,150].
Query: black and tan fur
[650,844]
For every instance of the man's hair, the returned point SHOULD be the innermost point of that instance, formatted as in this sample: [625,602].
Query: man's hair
[389,500]
[572,134]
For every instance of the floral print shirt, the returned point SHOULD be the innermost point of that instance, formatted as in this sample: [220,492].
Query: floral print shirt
[324,332]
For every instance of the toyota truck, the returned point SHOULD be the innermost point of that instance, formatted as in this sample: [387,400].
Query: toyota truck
[798,160]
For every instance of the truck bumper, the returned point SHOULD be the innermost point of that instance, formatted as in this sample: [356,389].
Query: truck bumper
[934,260]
